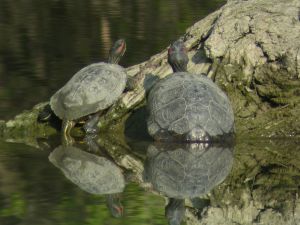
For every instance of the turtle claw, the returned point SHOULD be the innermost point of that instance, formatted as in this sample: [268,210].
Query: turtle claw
[67,140]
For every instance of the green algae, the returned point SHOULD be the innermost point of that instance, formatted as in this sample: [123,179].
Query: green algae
[268,106]
[25,128]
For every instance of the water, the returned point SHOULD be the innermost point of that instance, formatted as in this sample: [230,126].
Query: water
[53,184]
[34,191]
[42,44]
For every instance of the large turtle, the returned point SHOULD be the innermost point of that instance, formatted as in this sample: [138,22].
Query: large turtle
[91,90]
[186,106]
[93,174]
[181,171]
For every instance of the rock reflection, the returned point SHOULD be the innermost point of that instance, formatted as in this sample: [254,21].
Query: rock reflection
[92,173]
[185,171]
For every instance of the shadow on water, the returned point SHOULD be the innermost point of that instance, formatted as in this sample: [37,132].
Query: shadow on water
[136,125]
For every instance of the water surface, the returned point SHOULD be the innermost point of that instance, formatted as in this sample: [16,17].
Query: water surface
[45,184]
[43,43]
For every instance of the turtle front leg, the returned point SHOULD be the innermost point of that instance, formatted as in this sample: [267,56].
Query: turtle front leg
[67,125]
[90,126]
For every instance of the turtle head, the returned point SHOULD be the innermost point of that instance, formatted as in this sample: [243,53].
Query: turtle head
[114,205]
[117,51]
[177,57]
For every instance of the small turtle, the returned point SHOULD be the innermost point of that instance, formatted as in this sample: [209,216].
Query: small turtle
[93,174]
[188,107]
[90,91]
[181,171]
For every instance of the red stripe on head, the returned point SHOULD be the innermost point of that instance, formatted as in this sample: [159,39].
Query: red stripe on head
[119,209]
[170,50]
[122,46]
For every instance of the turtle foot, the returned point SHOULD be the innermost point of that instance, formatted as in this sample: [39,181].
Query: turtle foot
[67,140]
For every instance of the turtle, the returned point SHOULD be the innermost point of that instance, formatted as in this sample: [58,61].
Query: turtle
[90,91]
[186,106]
[186,170]
[92,173]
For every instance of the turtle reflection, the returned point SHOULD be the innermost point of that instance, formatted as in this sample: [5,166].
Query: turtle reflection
[185,171]
[92,173]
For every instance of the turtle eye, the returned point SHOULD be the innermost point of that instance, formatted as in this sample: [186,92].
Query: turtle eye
[170,50]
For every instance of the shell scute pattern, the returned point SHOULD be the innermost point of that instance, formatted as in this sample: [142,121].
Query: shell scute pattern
[180,126]
[218,114]
[170,94]
[170,112]
[167,95]
[96,86]
[182,102]
[196,93]
[212,127]
[197,114]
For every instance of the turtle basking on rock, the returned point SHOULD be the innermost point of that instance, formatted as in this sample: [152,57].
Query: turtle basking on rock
[90,91]
[186,106]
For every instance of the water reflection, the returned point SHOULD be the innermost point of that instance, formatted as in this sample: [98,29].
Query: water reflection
[181,171]
[262,187]
[92,173]
[177,171]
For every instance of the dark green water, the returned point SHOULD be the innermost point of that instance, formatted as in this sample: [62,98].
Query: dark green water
[42,44]
[33,191]
[52,184]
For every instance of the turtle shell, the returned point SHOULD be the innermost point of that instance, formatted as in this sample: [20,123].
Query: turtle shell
[92,173]
[189,107]
[93,88]
[187,170]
